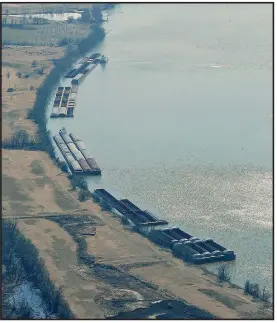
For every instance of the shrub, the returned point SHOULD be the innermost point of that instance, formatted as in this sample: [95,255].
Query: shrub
[63,166]
[78,181]
[64,41]
[265,295]
[223,273]
[95,198]
[105,206]
[83,195]
[20,140]
[39,71]
[255,290]
[247,287]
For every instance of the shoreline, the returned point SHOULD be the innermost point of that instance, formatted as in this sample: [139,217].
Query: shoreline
[47,131]
[204,269]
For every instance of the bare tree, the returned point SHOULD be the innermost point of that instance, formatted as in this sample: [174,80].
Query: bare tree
[8,76]
[223,273]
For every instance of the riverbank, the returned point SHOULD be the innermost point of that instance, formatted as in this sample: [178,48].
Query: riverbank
[30,71]
[114,265]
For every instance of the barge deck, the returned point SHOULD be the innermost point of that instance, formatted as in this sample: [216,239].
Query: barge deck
[64,102]
[75,159]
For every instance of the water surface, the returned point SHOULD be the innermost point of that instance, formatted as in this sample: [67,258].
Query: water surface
[180,120]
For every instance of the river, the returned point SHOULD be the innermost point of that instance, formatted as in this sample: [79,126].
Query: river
[180,121]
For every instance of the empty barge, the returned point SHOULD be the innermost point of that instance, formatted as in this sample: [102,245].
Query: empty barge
[75,159]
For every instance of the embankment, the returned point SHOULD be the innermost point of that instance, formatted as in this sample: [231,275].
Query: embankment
[16,246]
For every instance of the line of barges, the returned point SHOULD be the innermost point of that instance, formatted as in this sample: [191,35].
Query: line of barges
[182,244]
[65,98]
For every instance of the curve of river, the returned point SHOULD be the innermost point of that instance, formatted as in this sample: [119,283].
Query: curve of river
[180,121]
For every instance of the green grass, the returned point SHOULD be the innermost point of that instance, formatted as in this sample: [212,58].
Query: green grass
[44,35]
[13,65]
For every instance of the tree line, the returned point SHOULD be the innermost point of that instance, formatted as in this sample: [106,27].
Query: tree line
[15,248]
[73,52]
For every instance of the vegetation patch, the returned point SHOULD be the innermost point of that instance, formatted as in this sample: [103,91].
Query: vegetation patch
[75,227]
[49,34]
[37,167]
[229,302]
[12,189]
[223,273]
[254,290]
[65,201]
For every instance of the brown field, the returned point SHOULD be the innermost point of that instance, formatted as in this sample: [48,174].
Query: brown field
[34,188]
[32,184]
[127,266]
[15,105]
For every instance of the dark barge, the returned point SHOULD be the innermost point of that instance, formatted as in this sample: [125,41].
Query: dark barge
[64,102]
[183,245]
[142,220]
[189,248]
[86,65]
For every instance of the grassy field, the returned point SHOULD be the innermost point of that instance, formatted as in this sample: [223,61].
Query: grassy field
[32,8]
[44,35]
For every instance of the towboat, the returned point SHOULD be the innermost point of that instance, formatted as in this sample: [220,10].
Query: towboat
[103,59]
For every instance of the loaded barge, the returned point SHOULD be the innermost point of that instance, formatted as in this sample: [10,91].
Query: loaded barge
[65,99]
[85,66]
[78,160]
[182,244]
[64,102]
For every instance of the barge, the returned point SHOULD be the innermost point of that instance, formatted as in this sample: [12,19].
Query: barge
[86,65]
[89,159]
[182,244]
[75,159]
[64,102]
[65,99]
[136,217]
[189,248]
